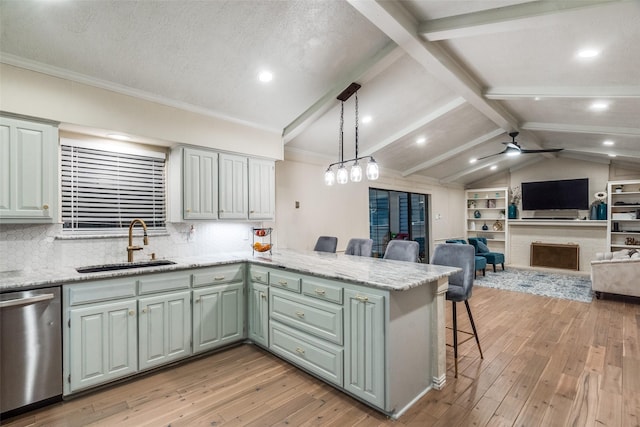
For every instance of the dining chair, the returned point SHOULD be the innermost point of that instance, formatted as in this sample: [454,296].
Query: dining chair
[360,247]
[402,250]
[326,244]
[460,286]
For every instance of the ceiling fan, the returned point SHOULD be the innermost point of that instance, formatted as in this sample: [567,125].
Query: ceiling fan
[513,148]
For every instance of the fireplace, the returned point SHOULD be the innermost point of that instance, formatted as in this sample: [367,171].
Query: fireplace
[555,255]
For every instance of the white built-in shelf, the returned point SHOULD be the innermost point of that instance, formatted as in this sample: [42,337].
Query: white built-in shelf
[557,223]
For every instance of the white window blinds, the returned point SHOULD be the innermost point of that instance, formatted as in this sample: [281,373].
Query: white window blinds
[104,190]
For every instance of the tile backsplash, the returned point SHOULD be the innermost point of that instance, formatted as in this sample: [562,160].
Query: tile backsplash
[35,246]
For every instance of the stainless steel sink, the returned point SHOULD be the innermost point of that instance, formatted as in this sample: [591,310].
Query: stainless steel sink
[123,266]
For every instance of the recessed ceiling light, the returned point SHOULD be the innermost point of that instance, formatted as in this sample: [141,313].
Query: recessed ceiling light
[608,142]
[494,167]
[612,155]
[599,106]
[265,76]
[421,140]
[537,98]
[588,53]
[367,119]
[473,160]
[118,136]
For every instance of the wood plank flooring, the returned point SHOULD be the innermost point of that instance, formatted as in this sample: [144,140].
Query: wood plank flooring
[548,362]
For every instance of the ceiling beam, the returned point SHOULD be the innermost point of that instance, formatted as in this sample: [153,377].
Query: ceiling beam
[363,73]
[527,92]
[437,113]
[563,127]
[393,20]
[606,151]
[468,171]
[453,153]
[503,19]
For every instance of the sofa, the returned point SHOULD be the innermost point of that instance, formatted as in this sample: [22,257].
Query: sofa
[616,273]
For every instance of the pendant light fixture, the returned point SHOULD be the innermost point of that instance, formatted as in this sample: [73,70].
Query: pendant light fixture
[342,176]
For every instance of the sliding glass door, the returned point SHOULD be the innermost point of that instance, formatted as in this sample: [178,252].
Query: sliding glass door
[398,215]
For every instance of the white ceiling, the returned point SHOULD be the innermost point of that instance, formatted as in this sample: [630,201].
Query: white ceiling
[461,74]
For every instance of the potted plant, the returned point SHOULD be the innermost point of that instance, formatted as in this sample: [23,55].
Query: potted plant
[514,199]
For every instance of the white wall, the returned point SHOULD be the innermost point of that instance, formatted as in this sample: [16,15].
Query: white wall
[343,210]
[43,96]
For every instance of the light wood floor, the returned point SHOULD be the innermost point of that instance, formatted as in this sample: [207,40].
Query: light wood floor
[548,362]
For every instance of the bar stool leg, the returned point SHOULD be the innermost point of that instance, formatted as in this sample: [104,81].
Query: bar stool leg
[455,338]
[473,326]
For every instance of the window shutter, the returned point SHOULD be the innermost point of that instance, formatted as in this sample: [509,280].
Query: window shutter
[105,190]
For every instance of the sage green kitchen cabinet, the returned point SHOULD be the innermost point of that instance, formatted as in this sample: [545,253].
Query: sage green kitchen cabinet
[262,186]
[233,187]
[103,343]
[200,184]
[259,313]
[364,337]
[218,316]
[164,328]
[28,171]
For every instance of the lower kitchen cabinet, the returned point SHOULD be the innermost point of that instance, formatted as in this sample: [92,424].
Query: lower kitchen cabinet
[102,343]
[164,328]
[259,313]
[364,346]
[218,316]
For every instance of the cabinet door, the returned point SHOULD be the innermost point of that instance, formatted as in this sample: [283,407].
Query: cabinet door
[364,346]
[102,343]
[200,185]
[259,314]
[164,328]
[218,316]
[262,189]
[233,187]
[28,171]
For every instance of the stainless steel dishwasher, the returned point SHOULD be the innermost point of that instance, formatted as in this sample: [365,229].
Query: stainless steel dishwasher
[30,348]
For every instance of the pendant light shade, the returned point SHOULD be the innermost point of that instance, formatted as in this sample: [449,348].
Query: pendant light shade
[342,176]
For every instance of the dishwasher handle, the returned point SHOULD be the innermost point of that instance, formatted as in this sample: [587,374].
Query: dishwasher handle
[26,301]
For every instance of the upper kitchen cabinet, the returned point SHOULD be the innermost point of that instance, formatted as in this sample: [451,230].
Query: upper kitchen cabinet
[200,189]
[262,186]
[233,187]
[28,171]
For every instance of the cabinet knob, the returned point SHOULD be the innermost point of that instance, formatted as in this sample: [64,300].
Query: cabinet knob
[132,313]
[257,277]
[300,314]
[45,207]
[251,211]
[144,310]
[299,350]
[188,210]
[197,300]
[263,295]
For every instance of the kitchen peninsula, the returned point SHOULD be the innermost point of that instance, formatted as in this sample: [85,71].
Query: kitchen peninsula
[373,328]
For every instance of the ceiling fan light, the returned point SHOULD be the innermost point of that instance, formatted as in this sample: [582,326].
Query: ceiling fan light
[512,152]
[372,170]
[342,176]
[356,172]
[329,177]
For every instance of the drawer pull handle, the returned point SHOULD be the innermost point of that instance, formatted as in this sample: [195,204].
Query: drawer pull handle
[144,311]
[197,300]
[299,350]
[263,295]
[132,313]
[257,277]
[362,298]
[218,278]
[300,314]
[283,282]
[320,291]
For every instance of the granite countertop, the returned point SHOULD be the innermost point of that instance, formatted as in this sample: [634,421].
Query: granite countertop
[373,272]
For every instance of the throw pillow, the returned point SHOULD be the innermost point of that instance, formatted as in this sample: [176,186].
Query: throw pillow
[482,248]
[635,255]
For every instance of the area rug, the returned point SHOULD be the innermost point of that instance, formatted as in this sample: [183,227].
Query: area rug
[565,286]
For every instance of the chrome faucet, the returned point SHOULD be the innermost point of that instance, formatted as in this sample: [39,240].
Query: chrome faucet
[145,239]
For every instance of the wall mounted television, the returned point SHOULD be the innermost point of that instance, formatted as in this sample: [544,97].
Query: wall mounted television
[560,194]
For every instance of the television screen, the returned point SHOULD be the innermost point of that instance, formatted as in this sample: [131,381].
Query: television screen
[562,194]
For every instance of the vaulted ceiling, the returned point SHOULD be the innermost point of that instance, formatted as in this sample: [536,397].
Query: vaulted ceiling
[459,75]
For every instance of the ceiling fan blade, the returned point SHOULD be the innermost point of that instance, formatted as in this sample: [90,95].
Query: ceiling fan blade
[491,155]
[547,150]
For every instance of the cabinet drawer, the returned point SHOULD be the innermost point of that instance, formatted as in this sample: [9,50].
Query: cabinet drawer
[322,289]
[314,317]
[288,281]
[320,358]
[100,290]
[258,275]
[217,275]
[162,282]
